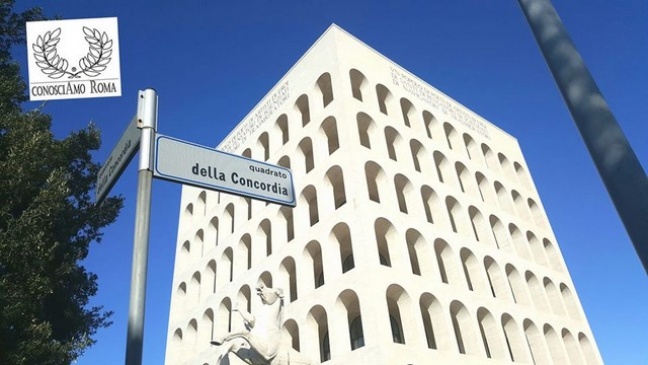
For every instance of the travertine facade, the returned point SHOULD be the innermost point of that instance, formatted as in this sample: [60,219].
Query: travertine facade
[418,236]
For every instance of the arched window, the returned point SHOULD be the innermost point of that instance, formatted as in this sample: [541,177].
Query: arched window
[419,156]
[291,328]
[314,253]
[265,233]
[517,348]
[434,210]
[264,144]
[375,178]
[265,279]
[329,127]
[536,343]
[465,334]
[431,125]
[336,180]
[210,277]
[228,261]
[434,323]
[229,217]
[194,287]
[192,333]
[348,300]
[448,268]
[245,251]
[570,302]
[199,242]
[491,335]
[458,220]
[287,268]
[473,271]
[503,197]
[555,299]
[206,328]
[537,292]
[284,161]
[341,234]
[358,83]
[393,141]
[223,318]
[452,137]
[520,244]
[480,227]
[517,284]
[309,196]
[573,351]
[201,204]
[366,128]
[485,188]
[325,87]
[384,99]
[385,233]
[555,346]
[302,106]
[282,125]
[287,216]
[403,192]
[522,175]
[552,255]
[498,284]
[490,158]
[243,297]
[588,350]
[398,305]
[409,112]
[317,326]
[471,148]
[419,251]
[506,166]
[537,249]
[306,148]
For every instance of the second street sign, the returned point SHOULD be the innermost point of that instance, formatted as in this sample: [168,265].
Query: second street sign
[201,166]
[119,158]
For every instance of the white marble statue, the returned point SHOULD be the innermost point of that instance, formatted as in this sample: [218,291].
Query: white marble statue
[260,343]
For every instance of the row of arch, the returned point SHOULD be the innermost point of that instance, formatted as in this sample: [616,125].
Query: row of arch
[303,108]
[448,214]
[464,145]
[475,186]
[437,261]
[431,323]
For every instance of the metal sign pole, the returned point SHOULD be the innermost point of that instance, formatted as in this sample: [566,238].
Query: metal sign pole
[147,120]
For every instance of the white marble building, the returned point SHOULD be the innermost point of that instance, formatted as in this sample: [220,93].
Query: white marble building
[418,236]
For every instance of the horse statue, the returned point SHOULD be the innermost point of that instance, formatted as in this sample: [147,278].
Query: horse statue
[260,343]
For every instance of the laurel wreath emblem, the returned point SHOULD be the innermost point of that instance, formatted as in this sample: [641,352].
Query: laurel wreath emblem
[55,66]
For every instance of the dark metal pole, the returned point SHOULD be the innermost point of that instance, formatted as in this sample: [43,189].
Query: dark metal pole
[622,174]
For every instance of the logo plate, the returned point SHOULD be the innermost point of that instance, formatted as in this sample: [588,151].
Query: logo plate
[71,59]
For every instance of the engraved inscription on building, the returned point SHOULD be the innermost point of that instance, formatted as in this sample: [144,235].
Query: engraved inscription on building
[259,116]
[439,102]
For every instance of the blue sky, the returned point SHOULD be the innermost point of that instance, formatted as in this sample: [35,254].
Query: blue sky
[211,62]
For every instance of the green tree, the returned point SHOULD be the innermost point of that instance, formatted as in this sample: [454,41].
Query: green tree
[47,222]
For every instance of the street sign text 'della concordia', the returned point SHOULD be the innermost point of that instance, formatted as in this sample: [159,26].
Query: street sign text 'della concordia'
[202,166]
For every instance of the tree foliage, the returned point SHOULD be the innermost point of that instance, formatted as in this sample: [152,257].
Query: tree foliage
[47,222]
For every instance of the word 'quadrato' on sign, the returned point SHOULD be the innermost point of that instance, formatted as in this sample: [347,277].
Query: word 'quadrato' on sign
[201,166]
